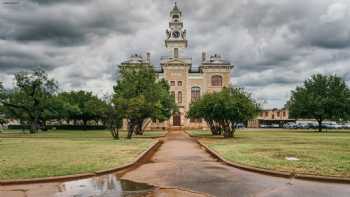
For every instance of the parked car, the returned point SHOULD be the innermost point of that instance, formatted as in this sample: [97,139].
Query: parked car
[290,125]
[265,126]
[331,125]
[275,126]
[240,126]
[346,126]
[312,125]
[303,126]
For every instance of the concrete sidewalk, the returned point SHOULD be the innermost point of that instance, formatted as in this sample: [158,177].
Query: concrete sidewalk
[180,162]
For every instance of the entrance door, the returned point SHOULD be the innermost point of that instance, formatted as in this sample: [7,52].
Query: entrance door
[177,119]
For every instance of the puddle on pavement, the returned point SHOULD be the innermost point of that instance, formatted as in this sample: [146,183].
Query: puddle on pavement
[106,186]
[102,186]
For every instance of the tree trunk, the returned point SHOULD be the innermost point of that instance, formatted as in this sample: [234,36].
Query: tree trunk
[44,126]
[228,130]
[34,126]
[84,124]
[138,128]
[22,125]
[115,133]
[131,128]
[319,125]
[214,128]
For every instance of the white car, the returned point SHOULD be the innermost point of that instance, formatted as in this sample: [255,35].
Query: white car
[275,126]
[346,126]
[333,125]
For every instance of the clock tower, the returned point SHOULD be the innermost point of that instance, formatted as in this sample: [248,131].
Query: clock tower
[175,34]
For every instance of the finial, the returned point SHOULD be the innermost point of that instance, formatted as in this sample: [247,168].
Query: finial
[175,5]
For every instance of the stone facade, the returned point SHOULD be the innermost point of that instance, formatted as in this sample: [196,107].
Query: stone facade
[187,83]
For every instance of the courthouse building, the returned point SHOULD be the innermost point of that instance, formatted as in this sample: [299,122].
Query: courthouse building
[187,82]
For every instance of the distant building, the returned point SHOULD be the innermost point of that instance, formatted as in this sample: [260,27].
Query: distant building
[271,117]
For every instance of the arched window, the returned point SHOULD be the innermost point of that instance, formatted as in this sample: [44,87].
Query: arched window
[179,97]
[195,93]
[216,80]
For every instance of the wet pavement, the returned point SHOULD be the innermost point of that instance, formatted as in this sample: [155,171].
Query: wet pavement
[180,162]
[107,186]
[101,186]
[180,168]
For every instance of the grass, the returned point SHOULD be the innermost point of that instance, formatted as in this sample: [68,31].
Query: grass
[57,153]
[75,134]
[325,154]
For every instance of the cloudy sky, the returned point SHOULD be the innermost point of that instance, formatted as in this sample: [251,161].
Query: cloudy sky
[274,44]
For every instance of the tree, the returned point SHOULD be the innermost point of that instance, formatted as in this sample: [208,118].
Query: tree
[3,120]
[139,97]
[30,97]
[224,110]
[13,113]
[2,91]
[80,106]
[166,105]
[112,119]
[322,97]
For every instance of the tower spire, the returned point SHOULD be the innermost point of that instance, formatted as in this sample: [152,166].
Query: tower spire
[176,35]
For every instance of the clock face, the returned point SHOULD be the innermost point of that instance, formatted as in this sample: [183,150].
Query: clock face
[176,34]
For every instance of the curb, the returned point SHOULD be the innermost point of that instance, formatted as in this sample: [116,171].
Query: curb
[243,167]
[283,174]
[139,159]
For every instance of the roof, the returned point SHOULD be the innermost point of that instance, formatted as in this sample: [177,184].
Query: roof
[136,59]
[215,60]
[175,9]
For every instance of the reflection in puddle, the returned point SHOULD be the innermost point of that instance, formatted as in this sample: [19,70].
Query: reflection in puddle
[108,185]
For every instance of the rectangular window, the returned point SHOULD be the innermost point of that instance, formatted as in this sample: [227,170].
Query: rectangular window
[172,83]
[195,93]
[179,83]
[266,114]
[176,52]
[179,97]
[216,80]
[173,93]
[284,114]
[278,114]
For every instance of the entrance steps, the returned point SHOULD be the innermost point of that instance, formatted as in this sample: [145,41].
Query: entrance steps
[176,128]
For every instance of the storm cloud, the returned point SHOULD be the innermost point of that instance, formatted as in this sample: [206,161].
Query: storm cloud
[274,45]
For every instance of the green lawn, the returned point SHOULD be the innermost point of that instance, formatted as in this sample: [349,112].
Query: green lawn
[75,134]
[57,153]
[319,153]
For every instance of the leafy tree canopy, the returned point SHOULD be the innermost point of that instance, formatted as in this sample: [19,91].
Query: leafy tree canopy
[30,97]
[140,97]
[322,97]
[224,110]
[80,106]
